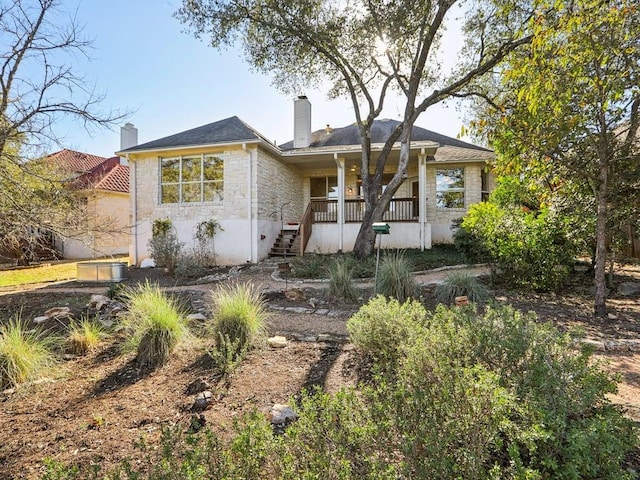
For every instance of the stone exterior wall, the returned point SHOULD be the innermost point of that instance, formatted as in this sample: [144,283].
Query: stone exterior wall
[279,186]
[273,185]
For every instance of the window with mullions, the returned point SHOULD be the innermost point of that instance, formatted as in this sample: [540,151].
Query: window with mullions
[191,179]
[450,188]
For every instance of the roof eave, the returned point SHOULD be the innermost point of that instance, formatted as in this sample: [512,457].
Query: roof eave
[124,153]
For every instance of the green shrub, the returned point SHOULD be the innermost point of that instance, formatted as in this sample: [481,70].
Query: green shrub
[239,315]
[309,266]
[395,278]
[335,437]
[461,284]
[191,265]
[561,424]
[530,248]
[164,246]
[155,323]
[84,336]
[341,281]
[382,328]
[25,355]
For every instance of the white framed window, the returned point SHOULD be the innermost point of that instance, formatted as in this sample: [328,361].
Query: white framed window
[450,188]
[191,179]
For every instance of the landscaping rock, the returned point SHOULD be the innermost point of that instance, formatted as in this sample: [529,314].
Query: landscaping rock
[41,319]
[282,414]
[294,295]
[148,263]
[197,386]
[277,342]
[98,301]
[596,344]
[202,401]
[629,288]
[58,312]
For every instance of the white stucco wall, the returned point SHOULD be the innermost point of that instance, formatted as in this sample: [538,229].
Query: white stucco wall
[325,237]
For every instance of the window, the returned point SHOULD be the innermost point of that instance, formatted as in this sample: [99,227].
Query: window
[450,188]
[191,179]
[322,188]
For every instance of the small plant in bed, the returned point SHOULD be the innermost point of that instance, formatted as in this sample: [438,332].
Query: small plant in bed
[84,336]
[155,323]
[341,281]
[25,354]
[459,284]
[239,315]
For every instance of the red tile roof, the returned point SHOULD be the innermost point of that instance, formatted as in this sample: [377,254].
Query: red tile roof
[73,161]
[91,171]
[115,180]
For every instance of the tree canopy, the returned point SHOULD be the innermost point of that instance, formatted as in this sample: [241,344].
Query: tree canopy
[566,110]
[38,86]
[367,50]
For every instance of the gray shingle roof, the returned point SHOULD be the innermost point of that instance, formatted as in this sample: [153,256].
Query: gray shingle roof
[229,130]
[380,131]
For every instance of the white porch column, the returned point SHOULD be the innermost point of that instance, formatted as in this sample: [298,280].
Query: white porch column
[340,207]
[422,200]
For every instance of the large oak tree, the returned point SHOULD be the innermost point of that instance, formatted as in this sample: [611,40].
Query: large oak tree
[367,50]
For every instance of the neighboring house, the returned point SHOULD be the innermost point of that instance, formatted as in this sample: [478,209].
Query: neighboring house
[300,196]
[102,185]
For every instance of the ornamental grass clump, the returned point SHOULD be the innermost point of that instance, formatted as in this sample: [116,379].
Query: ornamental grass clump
[239,315]
[341,281]
[25,355]
[84,336]
[395,278]
[155,323]
[459,284]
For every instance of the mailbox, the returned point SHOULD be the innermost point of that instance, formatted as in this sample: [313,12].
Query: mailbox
[381,228]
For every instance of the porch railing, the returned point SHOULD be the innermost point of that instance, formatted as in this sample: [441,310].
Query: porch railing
[399,210]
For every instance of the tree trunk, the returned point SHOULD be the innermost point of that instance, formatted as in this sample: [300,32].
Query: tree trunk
[600,308]
[366,239]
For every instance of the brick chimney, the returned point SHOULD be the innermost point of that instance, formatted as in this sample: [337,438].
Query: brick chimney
[301,122]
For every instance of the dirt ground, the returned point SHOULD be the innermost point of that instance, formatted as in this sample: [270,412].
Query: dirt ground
[96,407]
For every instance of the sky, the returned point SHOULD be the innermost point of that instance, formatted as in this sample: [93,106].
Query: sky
[143,62]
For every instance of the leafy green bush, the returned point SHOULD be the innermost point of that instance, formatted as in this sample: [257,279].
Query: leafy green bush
[335,437]
[84,336]
[155,323]
[25,355]
[458,284]
[164,246]
[395,277]
[560,424]
[382,328]
[530,248]
[341,281]
[239,314]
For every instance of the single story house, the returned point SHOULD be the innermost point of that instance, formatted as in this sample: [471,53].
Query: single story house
[102,187]
[303,196]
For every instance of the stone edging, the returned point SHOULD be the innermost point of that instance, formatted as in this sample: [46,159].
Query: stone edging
[275,275]
[612,345]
